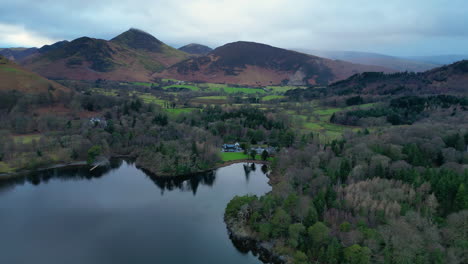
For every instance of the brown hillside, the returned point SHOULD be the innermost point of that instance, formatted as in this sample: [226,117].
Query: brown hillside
[14,77]
[250,63]
[132,56]
[447,79]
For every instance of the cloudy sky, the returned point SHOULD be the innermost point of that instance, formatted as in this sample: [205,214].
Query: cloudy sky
[397,27]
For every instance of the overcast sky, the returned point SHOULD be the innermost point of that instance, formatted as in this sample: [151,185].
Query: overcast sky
[396,27]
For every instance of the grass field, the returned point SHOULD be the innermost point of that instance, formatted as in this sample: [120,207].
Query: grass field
[106,92]
[230,156]
[218,87]
[26,139]
[234,90]
[283,89]
[272,97]
[151,99]
[142,84]
[4,168]
[9,69]
[179,110]
[210,100]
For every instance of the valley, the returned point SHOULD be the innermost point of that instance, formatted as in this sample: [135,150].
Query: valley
[306,159]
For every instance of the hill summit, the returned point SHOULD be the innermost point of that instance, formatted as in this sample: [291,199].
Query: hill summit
[196,49]
[131,56]
[138,39]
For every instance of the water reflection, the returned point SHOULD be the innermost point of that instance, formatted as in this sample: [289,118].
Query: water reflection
[184,183]
[189,183]
[71,173]
[118,215]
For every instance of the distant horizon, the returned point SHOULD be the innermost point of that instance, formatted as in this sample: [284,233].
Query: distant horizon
[177,46]
[397,28]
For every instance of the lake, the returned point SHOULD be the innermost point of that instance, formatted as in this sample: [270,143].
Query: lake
[119,214]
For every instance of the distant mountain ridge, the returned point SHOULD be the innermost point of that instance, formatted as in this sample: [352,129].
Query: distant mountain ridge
[196,49]
[17,54]
[440,59]
[368,58]
[448,79]
[251,63]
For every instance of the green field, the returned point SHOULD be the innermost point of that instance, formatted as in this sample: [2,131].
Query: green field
[26,139]
[142,84]
[272,97]
[150,99]
[107,92]
[9,69]
[234,90]
[4,168]
[214,97]
[177,111]
[283,89]
[218,87]
[230,156]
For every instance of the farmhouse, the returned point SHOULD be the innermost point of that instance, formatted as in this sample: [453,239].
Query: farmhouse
[232,147]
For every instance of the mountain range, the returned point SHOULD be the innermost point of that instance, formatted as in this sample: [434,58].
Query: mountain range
[250,63]
[138,56]
[131,56]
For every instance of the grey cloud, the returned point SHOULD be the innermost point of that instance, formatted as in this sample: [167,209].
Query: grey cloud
[384,26]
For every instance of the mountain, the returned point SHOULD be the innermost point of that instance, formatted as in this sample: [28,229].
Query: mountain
[440,59]
[17,54]
[249,63]
[196,49]
[396,63]
[139,40]
[450,79]
[131,56]
[57,45]
[14,77]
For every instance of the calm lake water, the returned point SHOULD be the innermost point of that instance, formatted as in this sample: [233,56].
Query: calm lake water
[121,215]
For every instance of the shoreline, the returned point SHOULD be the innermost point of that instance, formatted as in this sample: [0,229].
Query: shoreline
[242,238]
[6,176]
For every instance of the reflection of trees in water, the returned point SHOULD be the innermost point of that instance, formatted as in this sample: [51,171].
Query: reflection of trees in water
[72,173]
[78,173]
[184,183]
[248,168]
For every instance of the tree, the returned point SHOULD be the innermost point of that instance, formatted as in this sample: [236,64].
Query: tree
[461,199]
[312,216]
[265,155]
[280,223]
[265,231]
[300,258]
[356,254]
[93,153]
[295,231]
[318,234]
[333,251]
[253,153]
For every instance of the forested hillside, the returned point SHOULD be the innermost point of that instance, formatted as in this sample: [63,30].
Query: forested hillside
[393,196]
